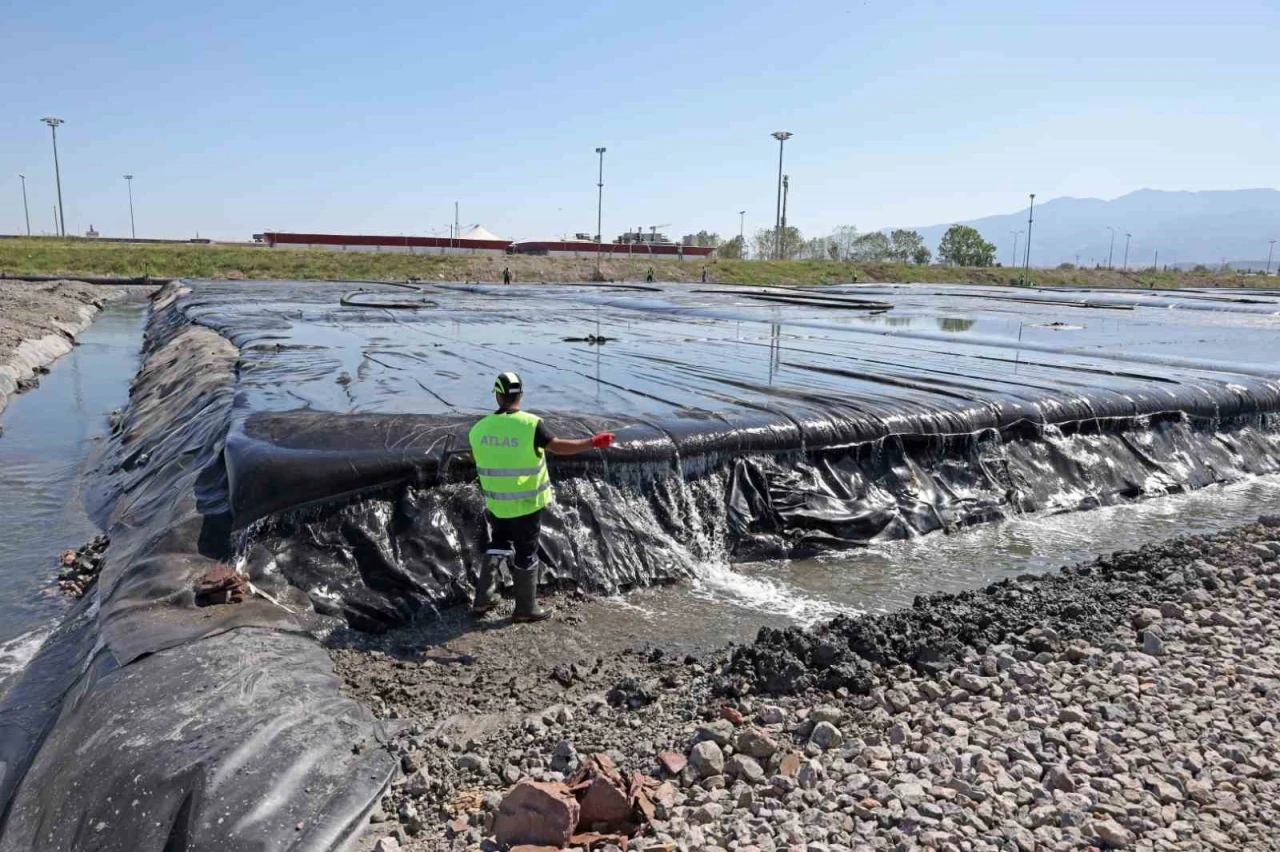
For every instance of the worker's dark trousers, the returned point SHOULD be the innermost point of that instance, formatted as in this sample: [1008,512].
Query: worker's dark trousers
[519,534]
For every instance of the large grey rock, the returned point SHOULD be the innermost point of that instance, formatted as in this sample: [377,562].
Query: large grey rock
[1112,834]
[1166,792]
[1146,617]
[810,774]
[756,743]
[474,763]
[1264,552]
[708,813]
[1058,778]
[1222,619]
[896,700]
[771,714]
[909,792]
[418,783]
[826,713]
[970,682]
[826,736]
[744,767]
[706,759]
[719,732]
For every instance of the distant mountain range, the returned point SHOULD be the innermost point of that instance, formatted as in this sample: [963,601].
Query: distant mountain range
[1186,228]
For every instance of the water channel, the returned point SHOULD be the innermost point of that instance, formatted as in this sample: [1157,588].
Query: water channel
[49,445]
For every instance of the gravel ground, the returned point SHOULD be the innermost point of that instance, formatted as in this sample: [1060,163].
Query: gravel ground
[1127,703]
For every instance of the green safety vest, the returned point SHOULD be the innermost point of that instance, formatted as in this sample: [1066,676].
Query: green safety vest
[513,472]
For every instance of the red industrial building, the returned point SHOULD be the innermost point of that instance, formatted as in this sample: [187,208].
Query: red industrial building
[479,241]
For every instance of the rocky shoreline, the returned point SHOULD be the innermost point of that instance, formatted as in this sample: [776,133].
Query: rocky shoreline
[80,568]
[1130,702]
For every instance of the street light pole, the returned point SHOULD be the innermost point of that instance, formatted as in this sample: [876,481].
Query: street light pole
[1013,260]
[26,214]
[1111,251]
[1030,217]
[786,190]
[1271,248]
[1127,235]
[742,240]
[133,232]
[599,210]
[782,136]
[57,173]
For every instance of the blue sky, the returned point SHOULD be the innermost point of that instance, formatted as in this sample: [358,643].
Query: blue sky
[375,117]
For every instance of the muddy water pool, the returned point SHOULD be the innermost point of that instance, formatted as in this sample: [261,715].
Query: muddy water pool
[50,442]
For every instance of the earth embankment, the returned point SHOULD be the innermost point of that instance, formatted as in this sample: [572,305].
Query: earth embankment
[242,261]
[39,324]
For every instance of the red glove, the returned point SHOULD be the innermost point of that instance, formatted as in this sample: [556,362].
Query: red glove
[602,440]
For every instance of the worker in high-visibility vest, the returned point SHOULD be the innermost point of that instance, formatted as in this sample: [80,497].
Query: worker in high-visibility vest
[509,447]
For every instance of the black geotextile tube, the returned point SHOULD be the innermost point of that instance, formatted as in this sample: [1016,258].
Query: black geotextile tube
[734,440]
[146,723]
[377,559]
[279,461]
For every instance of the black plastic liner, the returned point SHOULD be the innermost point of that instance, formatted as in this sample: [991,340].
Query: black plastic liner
[812,421]
[377,561]
[145,723]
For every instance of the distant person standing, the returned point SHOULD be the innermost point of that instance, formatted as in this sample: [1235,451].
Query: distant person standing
[648,276]
[704,275]
[506,275]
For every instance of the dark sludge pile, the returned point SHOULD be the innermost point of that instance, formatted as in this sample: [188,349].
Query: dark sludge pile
[1038,613]
[319,449]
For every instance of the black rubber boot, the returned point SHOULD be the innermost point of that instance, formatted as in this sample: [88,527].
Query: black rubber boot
[487,585]
[527,608]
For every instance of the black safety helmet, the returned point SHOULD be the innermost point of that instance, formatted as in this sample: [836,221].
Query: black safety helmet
[508,384]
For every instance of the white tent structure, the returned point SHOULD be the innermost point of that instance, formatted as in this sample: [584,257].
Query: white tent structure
[480,232]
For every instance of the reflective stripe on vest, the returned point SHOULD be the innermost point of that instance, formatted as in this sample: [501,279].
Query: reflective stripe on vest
[513,473]
[516,495]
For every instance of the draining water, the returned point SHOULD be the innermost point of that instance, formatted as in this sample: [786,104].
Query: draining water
[732,603]
[51,436]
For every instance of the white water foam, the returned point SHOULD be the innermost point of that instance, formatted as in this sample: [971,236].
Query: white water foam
[720,583]
[17,652]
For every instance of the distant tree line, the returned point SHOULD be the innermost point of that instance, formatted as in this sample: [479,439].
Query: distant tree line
[843,244]
[960,246]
